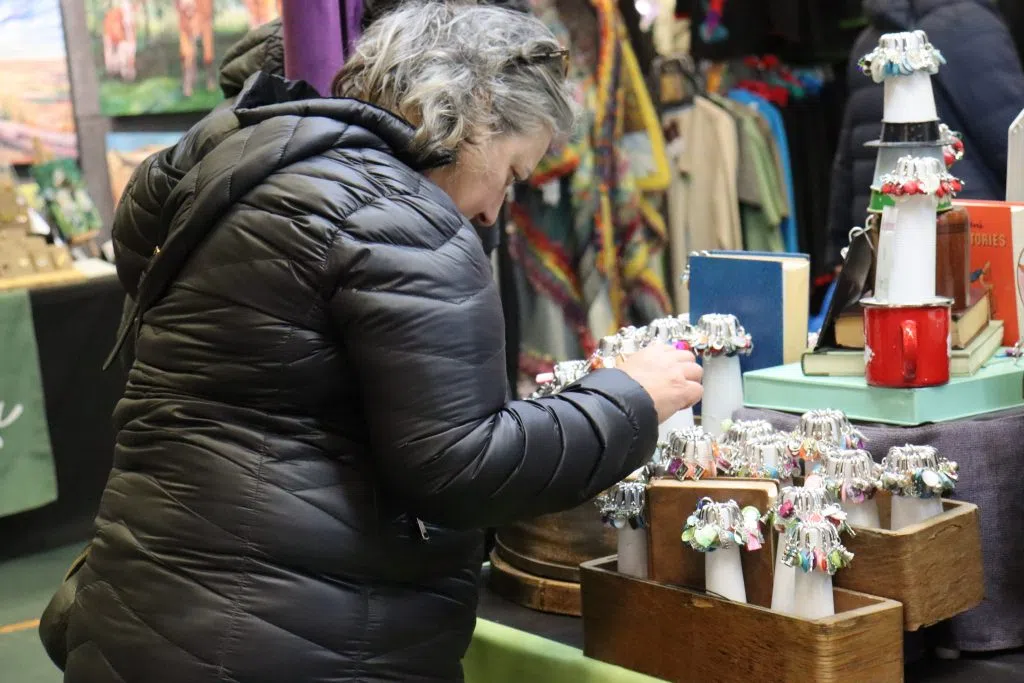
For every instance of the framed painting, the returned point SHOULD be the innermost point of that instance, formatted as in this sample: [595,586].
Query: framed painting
[162,56]
[125,151]
[35,92]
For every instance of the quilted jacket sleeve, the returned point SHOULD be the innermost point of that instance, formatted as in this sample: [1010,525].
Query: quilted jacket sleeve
[423,326]
[137,219]
[138,222]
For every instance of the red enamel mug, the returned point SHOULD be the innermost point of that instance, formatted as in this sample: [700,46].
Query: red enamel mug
[905,345]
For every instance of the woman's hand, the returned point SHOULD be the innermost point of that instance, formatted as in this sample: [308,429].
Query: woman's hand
[671,377]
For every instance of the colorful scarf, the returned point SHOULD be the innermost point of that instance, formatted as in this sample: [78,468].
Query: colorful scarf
[594,247]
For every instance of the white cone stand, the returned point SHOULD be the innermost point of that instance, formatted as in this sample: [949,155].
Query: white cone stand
[723,391]
[793,592]
[851,475]
[918,479]
[623,507]
[814,543]
[904,63]
[719,530]
[720,339]
[916,185]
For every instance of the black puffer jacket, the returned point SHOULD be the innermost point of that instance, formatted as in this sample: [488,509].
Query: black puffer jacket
[978,93]
[325,371]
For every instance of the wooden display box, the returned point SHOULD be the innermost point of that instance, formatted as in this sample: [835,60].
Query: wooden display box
[682,635]
[933,568]
[670,561]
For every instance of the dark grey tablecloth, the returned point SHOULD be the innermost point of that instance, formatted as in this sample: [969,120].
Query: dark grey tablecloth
[990,450]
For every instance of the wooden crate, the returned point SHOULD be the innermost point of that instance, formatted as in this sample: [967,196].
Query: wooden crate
[673,562]
[677,634]
[933,568]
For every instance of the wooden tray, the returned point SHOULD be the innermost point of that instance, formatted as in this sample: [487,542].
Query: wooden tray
[34,280]
[933,568]
[671,561]
[681,635]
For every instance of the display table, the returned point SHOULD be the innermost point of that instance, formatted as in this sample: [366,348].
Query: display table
[75,326]
[988,448]
[514,644]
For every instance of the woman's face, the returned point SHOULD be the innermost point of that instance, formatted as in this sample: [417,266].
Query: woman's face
[477,182]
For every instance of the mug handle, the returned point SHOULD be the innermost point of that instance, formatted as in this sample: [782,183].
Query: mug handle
[908,348]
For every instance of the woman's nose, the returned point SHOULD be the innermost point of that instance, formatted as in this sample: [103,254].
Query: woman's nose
[487,218]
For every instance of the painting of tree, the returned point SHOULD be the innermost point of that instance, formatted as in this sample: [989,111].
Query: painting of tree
[160,56]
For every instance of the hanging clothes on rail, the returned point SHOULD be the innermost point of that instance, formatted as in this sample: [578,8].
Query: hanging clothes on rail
[760,190]
[779,141]
[731,186]
[809,104]
[703,202]
[588,237]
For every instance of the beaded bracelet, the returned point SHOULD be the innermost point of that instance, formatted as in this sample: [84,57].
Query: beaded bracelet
[919,176]
[767,457]
[851,475]
[901,54]
[815,546]
[800,504]
[690,453]
[918,472]
[624,505]
[720,334]
[722,525]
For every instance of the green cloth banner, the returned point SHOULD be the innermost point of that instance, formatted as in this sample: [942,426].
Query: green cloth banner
[28,478]
[499,654]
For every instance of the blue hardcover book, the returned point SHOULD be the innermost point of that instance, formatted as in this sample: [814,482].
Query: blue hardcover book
[768,292]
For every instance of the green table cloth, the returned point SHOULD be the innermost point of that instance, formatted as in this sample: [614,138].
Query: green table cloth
[27,474]
[499,654]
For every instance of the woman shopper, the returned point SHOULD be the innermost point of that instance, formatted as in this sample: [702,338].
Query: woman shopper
[315,426]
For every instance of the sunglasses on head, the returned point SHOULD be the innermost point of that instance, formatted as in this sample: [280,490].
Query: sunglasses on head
[561,56]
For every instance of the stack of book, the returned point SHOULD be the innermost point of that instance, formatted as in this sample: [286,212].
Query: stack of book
[974,337]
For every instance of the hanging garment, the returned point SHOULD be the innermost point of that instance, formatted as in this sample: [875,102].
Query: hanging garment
[758,188]
[588,240]
[671,33]
[773,117]
[703,202]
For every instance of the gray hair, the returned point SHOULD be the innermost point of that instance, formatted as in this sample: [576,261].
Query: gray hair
[461,72]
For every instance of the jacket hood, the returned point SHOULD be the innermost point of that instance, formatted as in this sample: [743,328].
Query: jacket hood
[902,15]
[261,49]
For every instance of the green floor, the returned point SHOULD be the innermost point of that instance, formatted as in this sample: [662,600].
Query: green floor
[26,585]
